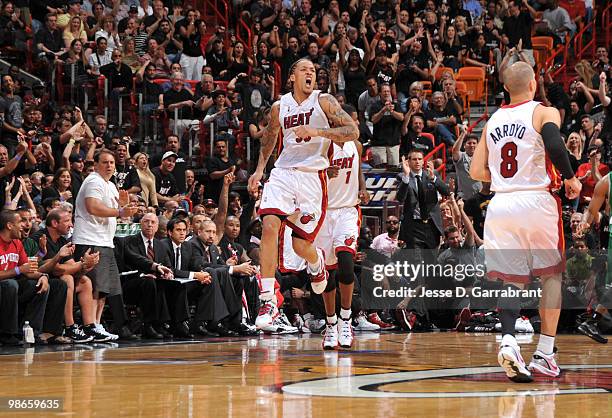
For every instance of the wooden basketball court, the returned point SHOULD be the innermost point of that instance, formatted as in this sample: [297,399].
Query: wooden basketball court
[385,375]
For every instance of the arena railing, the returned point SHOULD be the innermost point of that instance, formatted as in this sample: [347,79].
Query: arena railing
[243,28]
[438,152]
[579,46]
[219,9]
[606,24]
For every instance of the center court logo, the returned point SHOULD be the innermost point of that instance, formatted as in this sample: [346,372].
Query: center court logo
[367,386]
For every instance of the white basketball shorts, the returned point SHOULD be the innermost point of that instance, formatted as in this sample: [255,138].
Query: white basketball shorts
[299,195]
[523,236]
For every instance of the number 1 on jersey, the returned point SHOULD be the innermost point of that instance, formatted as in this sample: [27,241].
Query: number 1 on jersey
[348,176]
[509,164]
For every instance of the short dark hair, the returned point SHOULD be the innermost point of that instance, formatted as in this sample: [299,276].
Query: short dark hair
[49,202]
[295,64]
[450,230]
[416,151]
[103,151]
[55,215]
[174,221]
[7,216]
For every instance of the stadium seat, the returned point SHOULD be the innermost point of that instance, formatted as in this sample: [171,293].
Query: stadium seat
[475,82]
[542,49]
[441,70]
[462,91]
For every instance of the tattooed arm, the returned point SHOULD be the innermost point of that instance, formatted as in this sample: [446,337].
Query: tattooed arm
[344,128]
[268,142]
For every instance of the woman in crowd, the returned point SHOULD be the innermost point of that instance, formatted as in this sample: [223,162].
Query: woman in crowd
[238,60]
[73,31]
[130,57]
[109,31]
[147,179]
[60,187]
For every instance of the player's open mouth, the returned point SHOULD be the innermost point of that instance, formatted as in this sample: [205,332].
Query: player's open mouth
[309,82]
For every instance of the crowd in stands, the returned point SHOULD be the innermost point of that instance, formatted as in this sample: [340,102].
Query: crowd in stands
[394,67]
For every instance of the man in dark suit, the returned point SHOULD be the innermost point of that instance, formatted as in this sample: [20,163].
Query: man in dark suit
[230,276]
[192,283]
[148,257]
[421,223]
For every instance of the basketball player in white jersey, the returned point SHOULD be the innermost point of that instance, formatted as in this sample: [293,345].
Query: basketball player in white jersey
[338,237]
[523,231]
[296,192]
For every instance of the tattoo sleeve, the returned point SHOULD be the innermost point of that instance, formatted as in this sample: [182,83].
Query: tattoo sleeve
[344,128]
[269,138]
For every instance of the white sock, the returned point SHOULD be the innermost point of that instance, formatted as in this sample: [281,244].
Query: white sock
[314,269]
[546,344]
[332,320]
[267,289]
[508,339]
[345,314]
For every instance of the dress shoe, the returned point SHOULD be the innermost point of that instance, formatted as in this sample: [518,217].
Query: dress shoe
[150,333]
[125,334]
[181,330]
[222,331]
[164,330]
[244,331]
[9,340]
[200,329]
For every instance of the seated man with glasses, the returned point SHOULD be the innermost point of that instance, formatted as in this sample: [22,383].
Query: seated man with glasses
[119,76]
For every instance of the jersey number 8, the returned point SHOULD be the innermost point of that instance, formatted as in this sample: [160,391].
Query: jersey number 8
[509,165]
[298,139]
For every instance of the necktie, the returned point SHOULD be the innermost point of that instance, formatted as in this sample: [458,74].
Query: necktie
[177,260]
[207,251]
[421,196]
[150,252]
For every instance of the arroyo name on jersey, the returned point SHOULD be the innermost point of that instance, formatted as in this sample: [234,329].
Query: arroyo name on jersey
[515,130]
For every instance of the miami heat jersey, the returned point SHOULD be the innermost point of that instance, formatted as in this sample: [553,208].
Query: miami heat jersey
[343,190]
[517,158]
[307,154]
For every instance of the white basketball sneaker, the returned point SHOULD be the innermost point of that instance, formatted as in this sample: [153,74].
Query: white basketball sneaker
[345,338]
[510,359]
[268,312]
[330,339]
[545,364]
[282,325]
[362,324]
[318,280]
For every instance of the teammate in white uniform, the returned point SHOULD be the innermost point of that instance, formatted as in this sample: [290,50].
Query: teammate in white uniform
[523,233]
[338,238]
[296,192]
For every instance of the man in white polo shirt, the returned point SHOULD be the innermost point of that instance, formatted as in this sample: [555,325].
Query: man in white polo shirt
[97,207]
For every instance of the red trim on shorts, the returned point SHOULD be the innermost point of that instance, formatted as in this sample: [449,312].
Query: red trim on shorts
[271,211]
[345,248]
[310,237]
[559,268]
[510,106]
[331,267]
[512,278]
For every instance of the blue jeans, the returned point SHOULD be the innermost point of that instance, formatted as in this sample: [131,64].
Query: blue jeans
[402,99]
[447,136]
